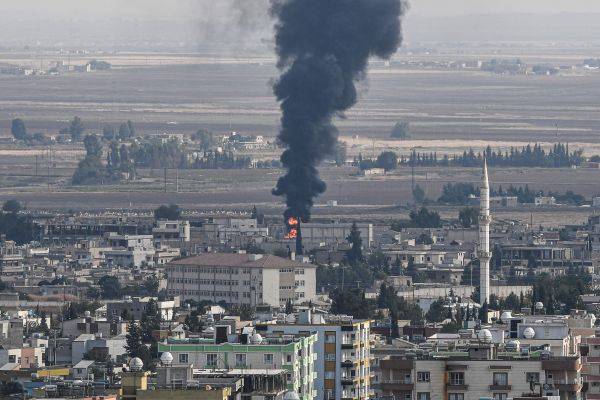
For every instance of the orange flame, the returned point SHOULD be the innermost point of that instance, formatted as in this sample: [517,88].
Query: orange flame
[293,234]
[292,221]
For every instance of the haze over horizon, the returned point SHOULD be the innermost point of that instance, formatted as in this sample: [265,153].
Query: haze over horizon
[233,25]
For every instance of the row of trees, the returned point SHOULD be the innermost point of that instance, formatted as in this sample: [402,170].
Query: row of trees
[559,156]
[111,288]
[76,129]
[460,193]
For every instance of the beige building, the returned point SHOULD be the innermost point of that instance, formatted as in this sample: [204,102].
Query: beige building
[241,279]
[481,371]
[343,352]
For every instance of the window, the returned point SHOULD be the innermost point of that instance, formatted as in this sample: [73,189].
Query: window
[456,396]
[240,360]
[329,375]
[407,378]
[423,396]
[183,359]
[532,377]
[500,379]
[288,358]
[407,396]
[211,360]
[500,396]
[423,376]
[457,378]
[268,358]
[329,337]
[329,356]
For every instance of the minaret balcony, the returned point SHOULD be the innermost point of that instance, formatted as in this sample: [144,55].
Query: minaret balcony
[484,255]
[487,219]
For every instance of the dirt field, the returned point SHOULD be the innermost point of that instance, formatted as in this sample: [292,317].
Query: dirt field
[449,111]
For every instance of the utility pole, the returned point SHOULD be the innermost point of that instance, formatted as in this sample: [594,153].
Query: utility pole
[49,161]
[176,180]
[165,180]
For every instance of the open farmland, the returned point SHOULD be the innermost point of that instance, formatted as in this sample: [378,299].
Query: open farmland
[183,93]
[449,112]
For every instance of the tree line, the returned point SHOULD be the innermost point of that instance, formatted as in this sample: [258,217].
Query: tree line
[559,156]
[460,193]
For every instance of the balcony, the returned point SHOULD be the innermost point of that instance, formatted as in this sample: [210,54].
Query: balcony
[347,380]
[347,364]
[402,385]
[500,388]
[457,386]
[570,385]
[562,364]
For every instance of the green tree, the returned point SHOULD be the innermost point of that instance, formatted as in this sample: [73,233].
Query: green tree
[387,160]
[289,307]
[205,138]
[512,302]
[423,218]
[108,133]
[76,128]
[193,322]
[468,217]
[171,212]
[12,206]
[124,132]
[351,302]
[400,131]
[93,147]
[451,327]
[418,195]
[437,311]
[341,153]
[150,322]
[90,171]
[110,288]
[354,255]
[18,129]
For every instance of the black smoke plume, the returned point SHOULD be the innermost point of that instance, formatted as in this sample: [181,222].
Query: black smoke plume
[323,48]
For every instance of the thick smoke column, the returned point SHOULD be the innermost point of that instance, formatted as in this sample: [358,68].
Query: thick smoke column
[323,48]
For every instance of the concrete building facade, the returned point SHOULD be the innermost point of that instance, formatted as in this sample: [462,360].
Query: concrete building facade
[241,279]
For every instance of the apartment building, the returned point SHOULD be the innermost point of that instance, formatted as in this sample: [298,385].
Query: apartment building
[482,370]
[171,231]
[330,233]
[590,352]
[343,352]
[136,307]
[241,279]
[249,352]
[11,258]
[129,250]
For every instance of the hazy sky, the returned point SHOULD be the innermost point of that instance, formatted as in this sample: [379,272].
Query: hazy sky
[245,23]
[462,7]
[104,8]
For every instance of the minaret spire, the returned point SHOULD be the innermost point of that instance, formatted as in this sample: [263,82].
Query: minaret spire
[484,237]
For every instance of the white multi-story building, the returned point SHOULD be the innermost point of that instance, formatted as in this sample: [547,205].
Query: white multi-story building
[250,352]
[241,279]
[343,353]
[129,250]
[171,231]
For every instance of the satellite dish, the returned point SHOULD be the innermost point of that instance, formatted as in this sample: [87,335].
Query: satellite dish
[485,336]
[166,358]
[529,333]
[136,364]
[291,396]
